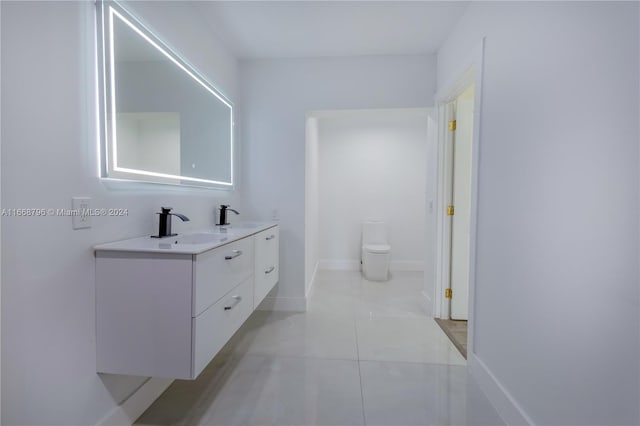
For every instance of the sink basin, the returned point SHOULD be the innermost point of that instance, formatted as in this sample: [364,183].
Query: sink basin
[242,225]
[199,238]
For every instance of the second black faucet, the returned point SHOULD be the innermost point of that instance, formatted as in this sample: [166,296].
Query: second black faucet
[223,214]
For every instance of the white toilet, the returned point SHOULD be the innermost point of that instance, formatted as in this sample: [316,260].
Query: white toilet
[376,251]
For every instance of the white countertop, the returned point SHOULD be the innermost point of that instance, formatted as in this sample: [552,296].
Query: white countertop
[188,243]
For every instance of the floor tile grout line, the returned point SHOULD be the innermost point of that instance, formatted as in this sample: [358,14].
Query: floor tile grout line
[285,356]
[364,414]
[239,356]
[393,361]
[355,330]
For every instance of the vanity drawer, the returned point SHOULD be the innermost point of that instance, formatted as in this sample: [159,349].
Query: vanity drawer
[215,326]
[266,274]
[219,270]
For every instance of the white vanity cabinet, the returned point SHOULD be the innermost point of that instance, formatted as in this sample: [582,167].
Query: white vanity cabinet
[266,274]
[168,313]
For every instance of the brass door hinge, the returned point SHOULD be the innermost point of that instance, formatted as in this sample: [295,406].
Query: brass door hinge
[450,210]
[448,293]
[452,125]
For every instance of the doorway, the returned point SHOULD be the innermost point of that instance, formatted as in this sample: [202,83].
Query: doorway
[461,135]
[459,145]
[458,102]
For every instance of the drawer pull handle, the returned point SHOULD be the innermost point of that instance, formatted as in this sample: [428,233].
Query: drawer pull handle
[270,270]
[270,237]
[236,300]
[235,254]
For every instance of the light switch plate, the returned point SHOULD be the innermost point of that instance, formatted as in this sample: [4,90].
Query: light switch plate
[81,217]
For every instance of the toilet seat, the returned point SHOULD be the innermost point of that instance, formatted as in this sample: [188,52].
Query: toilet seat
[377,248]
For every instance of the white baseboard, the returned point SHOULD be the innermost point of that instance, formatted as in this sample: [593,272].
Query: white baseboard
[339,265]
[427,304]
[289,304]
[127,412]
[427,298]
[406,265]
[508,409]
[312,282]
[354,265]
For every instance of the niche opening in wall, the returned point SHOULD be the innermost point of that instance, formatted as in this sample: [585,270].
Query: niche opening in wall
[364,164]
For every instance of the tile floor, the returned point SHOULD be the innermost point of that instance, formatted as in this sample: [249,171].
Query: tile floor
[363,353]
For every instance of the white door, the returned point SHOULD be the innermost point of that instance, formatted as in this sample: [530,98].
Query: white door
[461,220]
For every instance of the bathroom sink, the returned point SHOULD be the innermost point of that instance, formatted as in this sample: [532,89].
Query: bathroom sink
[199,238]
[241,225]
[193,242]
[248,225]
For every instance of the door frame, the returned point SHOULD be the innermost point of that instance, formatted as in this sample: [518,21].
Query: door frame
[468,71]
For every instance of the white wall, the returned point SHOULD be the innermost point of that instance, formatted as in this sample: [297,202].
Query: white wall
[276,96]
[1,205]
[431,225]
[311,220]
[556,307]
[49,154]
[372,165]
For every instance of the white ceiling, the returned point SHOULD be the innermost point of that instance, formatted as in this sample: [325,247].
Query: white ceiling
[294,29]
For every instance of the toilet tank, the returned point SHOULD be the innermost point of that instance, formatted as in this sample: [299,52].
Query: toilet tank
[374,232]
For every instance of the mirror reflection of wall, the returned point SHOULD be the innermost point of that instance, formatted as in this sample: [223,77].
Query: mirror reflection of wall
[149,141]
[170,125]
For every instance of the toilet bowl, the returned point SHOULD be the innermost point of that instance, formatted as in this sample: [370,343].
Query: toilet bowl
[376,251]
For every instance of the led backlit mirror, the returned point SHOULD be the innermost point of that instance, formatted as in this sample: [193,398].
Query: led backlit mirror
[162,121]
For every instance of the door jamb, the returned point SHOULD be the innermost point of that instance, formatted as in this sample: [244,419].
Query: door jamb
[469,71]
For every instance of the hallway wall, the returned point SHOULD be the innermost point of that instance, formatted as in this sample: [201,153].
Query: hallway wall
[311,195]
[276,95]
[49,154]
[556,309]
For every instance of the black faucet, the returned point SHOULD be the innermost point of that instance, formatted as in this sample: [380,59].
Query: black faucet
[223,214]
[165,222]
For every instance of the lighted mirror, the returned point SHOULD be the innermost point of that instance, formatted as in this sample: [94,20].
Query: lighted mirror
[162,121]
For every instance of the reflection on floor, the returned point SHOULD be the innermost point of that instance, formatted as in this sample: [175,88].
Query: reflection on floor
[363,353]
[456,330]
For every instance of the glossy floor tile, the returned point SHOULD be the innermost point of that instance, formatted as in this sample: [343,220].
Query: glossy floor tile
[400,296]
[422,394]
[333,297]
[289,391]
[297,334]
[405,340]
[363,353]
[348,293]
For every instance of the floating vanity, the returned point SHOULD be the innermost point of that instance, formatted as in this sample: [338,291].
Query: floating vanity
[165,307]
